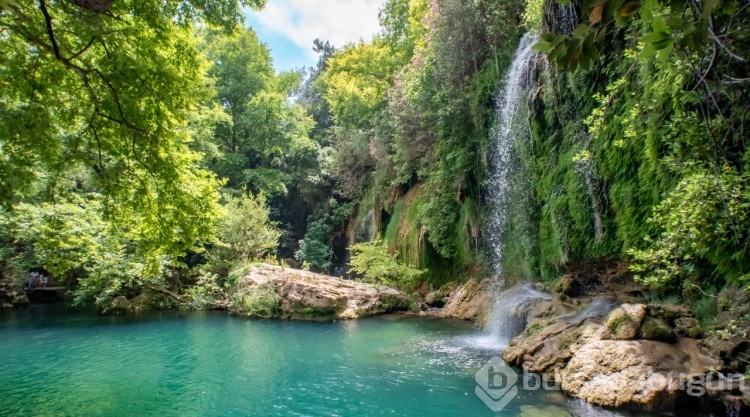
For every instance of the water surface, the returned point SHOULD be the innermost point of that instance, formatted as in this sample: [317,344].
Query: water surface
[211,364]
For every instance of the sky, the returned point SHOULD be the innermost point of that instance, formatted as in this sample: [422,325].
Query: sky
[289,27]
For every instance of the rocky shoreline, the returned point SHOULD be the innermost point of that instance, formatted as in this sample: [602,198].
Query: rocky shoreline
[610,350]
[597,343]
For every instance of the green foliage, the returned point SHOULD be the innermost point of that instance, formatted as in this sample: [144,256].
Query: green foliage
[206,291]
[416,124]
[257,301]
[315,249]
[533,14]
[263,143]
[377,266]
[681,25]
[659,173]
[699,221]
[245,232]
[71,241]
[112,92]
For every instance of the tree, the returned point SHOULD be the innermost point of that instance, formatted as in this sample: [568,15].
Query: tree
[266,146]
[110,89]
[104,91]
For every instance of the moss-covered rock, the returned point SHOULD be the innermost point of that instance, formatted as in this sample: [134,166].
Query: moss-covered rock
[624,322]
[654,328]
[118,305]
[302,295]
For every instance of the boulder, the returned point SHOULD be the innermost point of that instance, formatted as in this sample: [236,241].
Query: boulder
[644,375]
[624,322]
[654,328]
[142,302]
[649,322]
[12,295]
[609,362]
[546,346]
[638,374]
[309,296]
[688,327]
[470,301]
[435,299]
[118,305]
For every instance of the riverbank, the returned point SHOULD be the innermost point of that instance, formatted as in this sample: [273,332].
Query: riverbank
[598,339]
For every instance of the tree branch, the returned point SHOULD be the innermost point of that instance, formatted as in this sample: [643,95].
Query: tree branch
[50,33]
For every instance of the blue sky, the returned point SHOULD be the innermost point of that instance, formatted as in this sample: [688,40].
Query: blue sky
[289,27]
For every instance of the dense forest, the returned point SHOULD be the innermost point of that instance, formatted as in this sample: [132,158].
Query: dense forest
[151,146]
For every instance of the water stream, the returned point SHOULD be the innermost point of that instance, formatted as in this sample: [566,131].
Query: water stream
[568,17]
[513,96]
[508,317]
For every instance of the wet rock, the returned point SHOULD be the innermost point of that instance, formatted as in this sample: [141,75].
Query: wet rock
[546,346]
[609,362]
[550,411]
[470,301]
[308,296]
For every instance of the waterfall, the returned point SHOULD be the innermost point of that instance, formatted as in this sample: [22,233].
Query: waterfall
[568,17]
[599,307]
[366,229]
[586,168]
[514,94]
[508,316]
[510,312]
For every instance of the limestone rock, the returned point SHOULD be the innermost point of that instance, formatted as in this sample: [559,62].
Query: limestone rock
[11,295]
[118,305]
[435,299]
[469,301]
[609,362]
[20,300]
[546,346]
[624,322]
[688,327]
[308,296]
[626,373]
[653,328]
[142,302]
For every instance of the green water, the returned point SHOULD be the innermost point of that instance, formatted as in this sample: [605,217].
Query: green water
[206,364]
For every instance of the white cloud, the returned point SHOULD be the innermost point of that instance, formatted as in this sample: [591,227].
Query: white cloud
[337,21]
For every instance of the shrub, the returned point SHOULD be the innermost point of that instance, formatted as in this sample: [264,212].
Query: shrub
[377,266]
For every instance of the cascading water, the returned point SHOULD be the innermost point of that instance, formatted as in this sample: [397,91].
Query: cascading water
[599,307]
[586,168]
[508,103]
[568,17]
[508,316]
[366,229]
